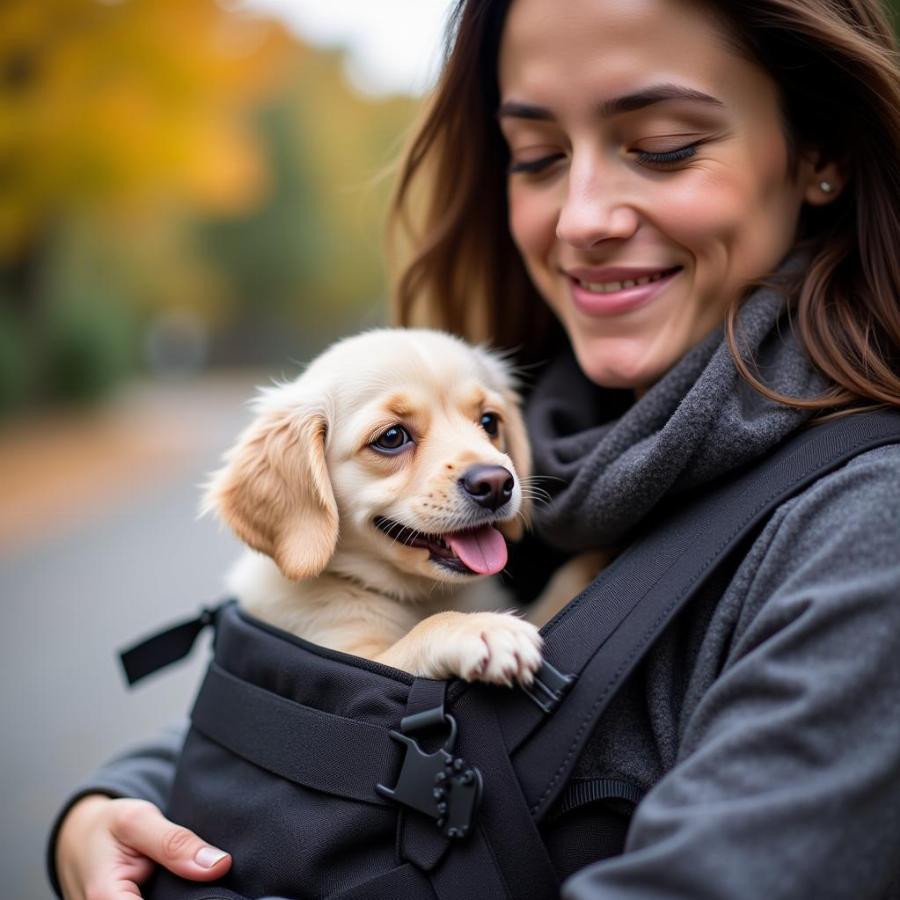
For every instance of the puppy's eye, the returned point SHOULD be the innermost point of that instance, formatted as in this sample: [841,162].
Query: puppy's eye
[490,422]
[392,441]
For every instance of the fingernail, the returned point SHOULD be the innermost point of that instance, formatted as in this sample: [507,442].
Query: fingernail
[207,857]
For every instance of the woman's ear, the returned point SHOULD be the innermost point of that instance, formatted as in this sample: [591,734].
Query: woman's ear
[275,493]
[519,451]
[823,178]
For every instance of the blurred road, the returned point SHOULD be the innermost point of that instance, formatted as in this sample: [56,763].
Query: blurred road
[99,544]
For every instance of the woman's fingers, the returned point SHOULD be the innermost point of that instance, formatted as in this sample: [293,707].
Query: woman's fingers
[106,848]
[141,828]
[90,863]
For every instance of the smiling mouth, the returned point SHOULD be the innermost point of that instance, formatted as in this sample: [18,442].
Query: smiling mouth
[611,287]
[470,551]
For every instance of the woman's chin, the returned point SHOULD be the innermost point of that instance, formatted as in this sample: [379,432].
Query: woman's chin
[609,367]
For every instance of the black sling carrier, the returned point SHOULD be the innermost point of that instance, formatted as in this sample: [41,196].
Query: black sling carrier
[330,776]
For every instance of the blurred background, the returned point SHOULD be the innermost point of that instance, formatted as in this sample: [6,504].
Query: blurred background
[192,197]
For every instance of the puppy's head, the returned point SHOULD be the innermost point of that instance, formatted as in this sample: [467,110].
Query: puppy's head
[397,451]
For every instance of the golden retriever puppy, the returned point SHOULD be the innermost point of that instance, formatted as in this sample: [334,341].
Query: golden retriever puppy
[376,489]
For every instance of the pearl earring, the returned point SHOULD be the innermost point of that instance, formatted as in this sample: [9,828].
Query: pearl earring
[826,187]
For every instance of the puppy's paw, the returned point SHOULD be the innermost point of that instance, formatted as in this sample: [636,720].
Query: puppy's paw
[499,648]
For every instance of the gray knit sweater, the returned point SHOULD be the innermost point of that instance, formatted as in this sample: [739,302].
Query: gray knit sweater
[763,730]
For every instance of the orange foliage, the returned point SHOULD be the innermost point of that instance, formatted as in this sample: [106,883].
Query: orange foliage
[129,104]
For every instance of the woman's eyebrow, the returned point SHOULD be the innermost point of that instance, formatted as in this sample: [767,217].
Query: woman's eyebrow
[513,110]
[656,93]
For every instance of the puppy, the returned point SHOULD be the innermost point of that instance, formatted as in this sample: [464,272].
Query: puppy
[377,489]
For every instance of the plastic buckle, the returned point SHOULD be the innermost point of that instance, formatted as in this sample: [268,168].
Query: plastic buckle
[549,687]
[439,784]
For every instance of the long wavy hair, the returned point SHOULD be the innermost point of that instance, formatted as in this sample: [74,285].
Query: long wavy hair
[836,64]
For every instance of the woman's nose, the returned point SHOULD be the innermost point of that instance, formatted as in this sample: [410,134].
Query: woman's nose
[595,208]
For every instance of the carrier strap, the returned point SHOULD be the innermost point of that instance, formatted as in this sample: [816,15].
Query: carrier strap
[507,836]
[482,865]
[603,634]
[417,838]
[338,756]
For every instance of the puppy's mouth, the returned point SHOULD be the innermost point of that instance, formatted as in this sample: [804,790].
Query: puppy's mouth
[471,551]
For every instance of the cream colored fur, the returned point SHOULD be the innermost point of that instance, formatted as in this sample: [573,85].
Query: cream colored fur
[303,486]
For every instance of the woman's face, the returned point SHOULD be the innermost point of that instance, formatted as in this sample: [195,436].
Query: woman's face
[648,178]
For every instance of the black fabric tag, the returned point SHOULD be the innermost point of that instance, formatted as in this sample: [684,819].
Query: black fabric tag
[164,647]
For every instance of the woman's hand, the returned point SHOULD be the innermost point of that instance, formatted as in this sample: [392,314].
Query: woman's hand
[107,847]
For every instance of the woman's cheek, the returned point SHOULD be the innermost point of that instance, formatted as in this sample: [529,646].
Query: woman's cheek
[707,218]
[523,220]
[706,211]
[735,225]
[532,224]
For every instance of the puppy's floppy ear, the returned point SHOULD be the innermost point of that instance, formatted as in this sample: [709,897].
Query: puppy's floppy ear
[275,493]
[519,451]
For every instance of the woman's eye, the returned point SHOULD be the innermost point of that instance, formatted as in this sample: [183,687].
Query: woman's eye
[667,156]
[533,166]
[490,422]
[392,440]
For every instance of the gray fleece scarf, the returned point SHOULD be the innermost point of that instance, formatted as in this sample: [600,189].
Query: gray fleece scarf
[610,463]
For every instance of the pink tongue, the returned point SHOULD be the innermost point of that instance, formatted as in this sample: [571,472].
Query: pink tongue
[483,550]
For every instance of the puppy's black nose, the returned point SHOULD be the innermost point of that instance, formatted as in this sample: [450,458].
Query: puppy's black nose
[488,486]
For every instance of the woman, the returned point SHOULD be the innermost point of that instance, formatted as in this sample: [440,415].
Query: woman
[690,208]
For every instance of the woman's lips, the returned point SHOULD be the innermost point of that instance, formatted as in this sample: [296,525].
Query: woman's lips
[612,303]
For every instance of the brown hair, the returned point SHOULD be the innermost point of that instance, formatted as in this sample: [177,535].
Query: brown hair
[837,68]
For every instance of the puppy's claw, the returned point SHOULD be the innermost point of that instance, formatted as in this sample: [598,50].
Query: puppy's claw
[478,670]
[524,673]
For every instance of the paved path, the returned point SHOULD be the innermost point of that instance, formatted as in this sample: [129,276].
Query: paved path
[99,543]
